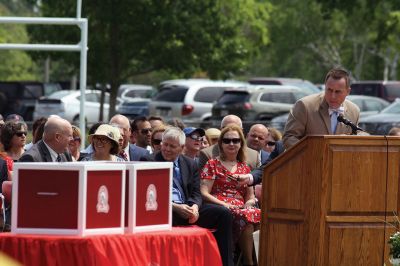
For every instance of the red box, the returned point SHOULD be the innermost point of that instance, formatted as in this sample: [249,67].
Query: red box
[148,196]
[77,198]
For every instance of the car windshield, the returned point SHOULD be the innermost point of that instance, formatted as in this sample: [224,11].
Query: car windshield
[393,90]
[234,97]
[59,94]
[171,94]
[394,108]
[138,93]
[307,86]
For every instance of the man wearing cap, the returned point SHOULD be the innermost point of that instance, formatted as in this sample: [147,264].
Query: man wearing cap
[194,137]
[53,147]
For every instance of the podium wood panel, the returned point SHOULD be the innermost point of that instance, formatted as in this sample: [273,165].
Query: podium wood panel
[327,201]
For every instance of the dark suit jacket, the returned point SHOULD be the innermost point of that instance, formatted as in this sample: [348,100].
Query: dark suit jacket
[259,171]
[136,153]
[264,156]
[40,153]
[3,172]
[190,178]
[252,158]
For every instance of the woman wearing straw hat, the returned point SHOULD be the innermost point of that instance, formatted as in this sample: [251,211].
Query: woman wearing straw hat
[105,144]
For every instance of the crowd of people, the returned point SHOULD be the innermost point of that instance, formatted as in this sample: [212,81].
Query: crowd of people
[206,165]
[217,172]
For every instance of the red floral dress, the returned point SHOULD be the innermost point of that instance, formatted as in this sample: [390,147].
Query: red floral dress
[227,190]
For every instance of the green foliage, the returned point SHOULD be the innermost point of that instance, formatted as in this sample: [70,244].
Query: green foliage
[181,37]
[394,242]
[16,65]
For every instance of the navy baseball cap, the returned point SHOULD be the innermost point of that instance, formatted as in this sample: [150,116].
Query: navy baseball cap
[190,130]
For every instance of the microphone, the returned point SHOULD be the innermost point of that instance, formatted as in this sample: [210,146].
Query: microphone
[347,122]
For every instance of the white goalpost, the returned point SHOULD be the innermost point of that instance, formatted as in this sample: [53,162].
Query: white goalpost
[81,47]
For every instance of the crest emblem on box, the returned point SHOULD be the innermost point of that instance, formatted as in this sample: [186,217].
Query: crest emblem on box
[102,200]
[151,198]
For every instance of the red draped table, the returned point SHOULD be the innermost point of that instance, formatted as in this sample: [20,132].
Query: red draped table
[181,246]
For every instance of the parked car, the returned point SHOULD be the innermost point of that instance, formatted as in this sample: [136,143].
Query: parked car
[134,108]
[19,97]
[190,100]
[306,85]
[66,104]
[388,90]
[381,123]
[131,92]
[368,106]
[258,105]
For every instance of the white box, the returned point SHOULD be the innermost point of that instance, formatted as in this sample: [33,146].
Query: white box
[74,198]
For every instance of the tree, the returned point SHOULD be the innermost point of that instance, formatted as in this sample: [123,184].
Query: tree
[128,38]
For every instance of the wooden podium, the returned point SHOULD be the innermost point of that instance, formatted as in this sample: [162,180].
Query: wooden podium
[329,201]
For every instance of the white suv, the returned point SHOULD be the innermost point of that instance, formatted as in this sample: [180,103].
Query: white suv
[190,100]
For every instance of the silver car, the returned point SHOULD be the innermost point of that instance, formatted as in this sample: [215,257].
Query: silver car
[190,100]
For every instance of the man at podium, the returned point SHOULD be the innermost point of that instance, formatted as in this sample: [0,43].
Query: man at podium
[317,114]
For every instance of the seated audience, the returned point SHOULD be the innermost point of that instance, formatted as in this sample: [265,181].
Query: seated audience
[36,136]
[142,129]
[219,187]
[394,131]
[204,143]
[75,144]
[273,137]
[156,138]
[13,138]
[212,135]
[194,137]
[187,205]
[88,150]
[156,121]
[105,144]
[54,145]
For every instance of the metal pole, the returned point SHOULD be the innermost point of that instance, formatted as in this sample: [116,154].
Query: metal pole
[78,8]
[82,78]
[40,20]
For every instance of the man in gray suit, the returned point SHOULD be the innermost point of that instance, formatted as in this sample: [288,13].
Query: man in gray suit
[53,147]
[317,114]
[252,158]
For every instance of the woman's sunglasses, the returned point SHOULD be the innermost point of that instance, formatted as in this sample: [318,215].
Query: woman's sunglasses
[156,141]
[20,134]
[271,143]
[228,141]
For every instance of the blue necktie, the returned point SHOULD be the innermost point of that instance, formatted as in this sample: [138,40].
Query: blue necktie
[334,121]
[178,195]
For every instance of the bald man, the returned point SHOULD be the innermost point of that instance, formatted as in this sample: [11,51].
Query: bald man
[256,139]
[54,145]
[130,152]
[252,158]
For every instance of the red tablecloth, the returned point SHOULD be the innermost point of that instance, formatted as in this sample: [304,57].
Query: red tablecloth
[181,246]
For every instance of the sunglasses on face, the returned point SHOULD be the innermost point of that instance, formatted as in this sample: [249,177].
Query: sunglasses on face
[228,141]
[145,131]
[156,141]
[271,143]
[20,134]
[195,137]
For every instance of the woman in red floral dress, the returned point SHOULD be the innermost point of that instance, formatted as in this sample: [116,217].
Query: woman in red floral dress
[218,186]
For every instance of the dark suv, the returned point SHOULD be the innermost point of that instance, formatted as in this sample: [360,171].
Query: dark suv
[388,90]
[20,97]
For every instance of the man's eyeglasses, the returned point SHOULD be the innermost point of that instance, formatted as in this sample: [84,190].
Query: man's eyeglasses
[228,141]
[195,137]
[20,134]
[156,141]
[271,143]
[145,131]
